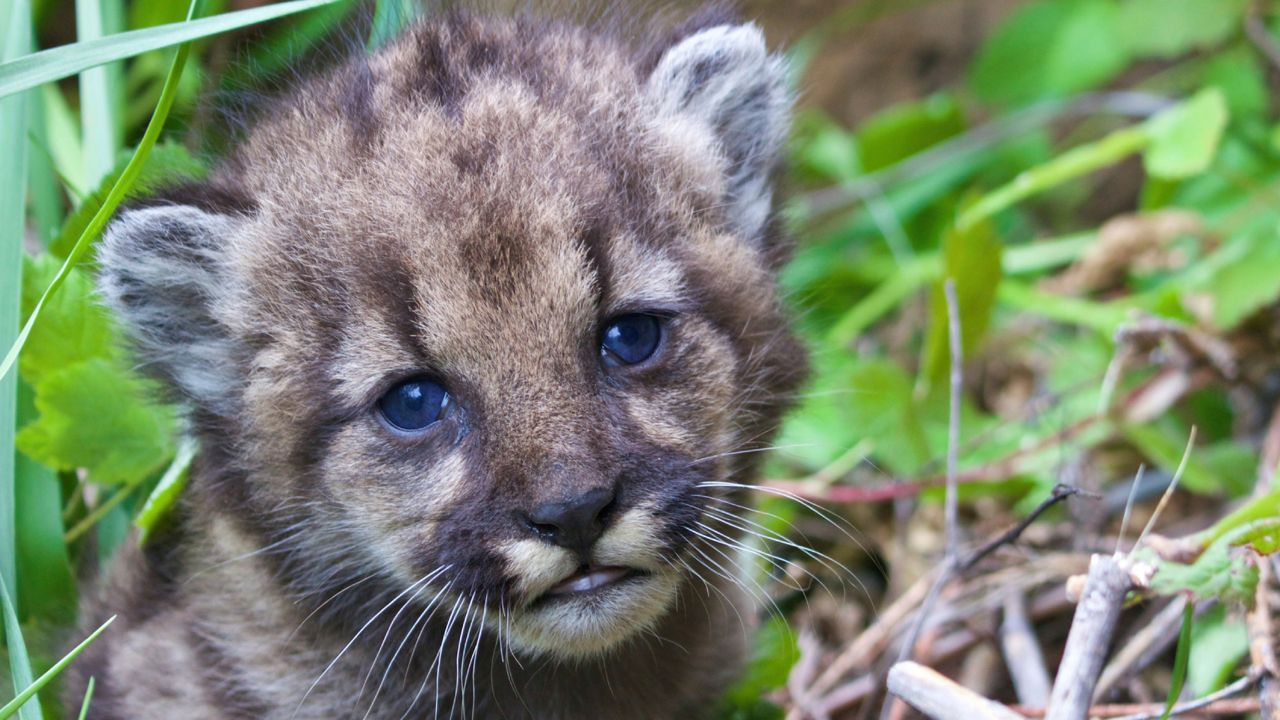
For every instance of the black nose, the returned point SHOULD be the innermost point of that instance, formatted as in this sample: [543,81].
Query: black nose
[574,524]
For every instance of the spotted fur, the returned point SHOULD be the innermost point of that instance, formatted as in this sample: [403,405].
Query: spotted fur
[475,202]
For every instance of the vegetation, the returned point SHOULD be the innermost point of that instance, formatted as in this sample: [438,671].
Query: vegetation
[1090,218]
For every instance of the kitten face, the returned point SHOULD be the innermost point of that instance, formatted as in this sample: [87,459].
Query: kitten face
[483,318]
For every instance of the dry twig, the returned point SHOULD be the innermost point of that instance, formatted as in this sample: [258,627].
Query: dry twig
[1022,652]
[1089,638]
[941,699]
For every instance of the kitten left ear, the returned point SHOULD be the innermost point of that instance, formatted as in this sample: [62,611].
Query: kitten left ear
[725,78]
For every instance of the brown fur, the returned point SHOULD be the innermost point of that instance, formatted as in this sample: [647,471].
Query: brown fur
[473,202]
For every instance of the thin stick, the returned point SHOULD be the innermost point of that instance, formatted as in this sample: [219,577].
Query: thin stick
[953,422]
[1258,34]
[952,531]
[940,698]
[1111,378]
[1234,688]
[1089,638]
[1168,493]
[1022,652]
[1233,707]
[1128,506]
[1060,492]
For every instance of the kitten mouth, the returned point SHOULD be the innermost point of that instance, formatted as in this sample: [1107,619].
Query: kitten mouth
[590,579]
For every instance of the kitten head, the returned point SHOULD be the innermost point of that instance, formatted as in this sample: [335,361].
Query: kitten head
[486,315]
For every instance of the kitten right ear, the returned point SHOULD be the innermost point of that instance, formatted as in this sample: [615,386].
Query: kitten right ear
[164,274]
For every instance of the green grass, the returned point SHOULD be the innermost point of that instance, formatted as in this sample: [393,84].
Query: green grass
[22,125]
[994,184]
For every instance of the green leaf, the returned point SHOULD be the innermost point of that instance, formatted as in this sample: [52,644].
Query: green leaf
[1241,77]
[29,690]
[1223,572]
[1074,163]
[66,60]
[167,491]
[851,402]
[1237,280]
[772,656]
[904,130]
[1180,659]
[93,415]
[76,328]
[1185,138]
[881,399]
[879,302]
[1218,643]
[972,260]
[1261,536]
[1166,28]
[1106,318]
[1257,509]
[1049,49]
[822,150]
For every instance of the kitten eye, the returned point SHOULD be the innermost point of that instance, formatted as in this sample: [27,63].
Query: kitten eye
[414,404]
[630,339]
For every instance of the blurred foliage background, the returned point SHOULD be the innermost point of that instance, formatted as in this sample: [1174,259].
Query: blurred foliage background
[1098,179]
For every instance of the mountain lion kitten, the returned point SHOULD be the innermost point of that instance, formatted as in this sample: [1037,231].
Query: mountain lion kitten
[479,338]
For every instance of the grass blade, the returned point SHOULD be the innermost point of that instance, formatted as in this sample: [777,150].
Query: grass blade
[167,490]
[1180,660]
[19,663]
[131,172]
[46,195]
[389,18]
[88,695]
[99,119]
[34,687]
[46,587]
[60,62]
[13,184]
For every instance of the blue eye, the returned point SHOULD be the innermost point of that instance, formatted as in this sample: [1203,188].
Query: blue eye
[630,339]
[413,404]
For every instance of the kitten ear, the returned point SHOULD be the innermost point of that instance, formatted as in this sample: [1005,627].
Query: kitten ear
[164,274]
[725,78]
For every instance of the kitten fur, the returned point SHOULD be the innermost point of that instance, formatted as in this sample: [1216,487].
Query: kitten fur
[473,202]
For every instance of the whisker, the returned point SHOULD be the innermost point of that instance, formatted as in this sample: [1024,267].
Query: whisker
[373,664]
[834,520]
[428,610]
[425,579]
[747,451]
[322,605]
[835,567]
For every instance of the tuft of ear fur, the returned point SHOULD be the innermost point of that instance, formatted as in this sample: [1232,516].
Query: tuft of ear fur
[725,78]
[163,273]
